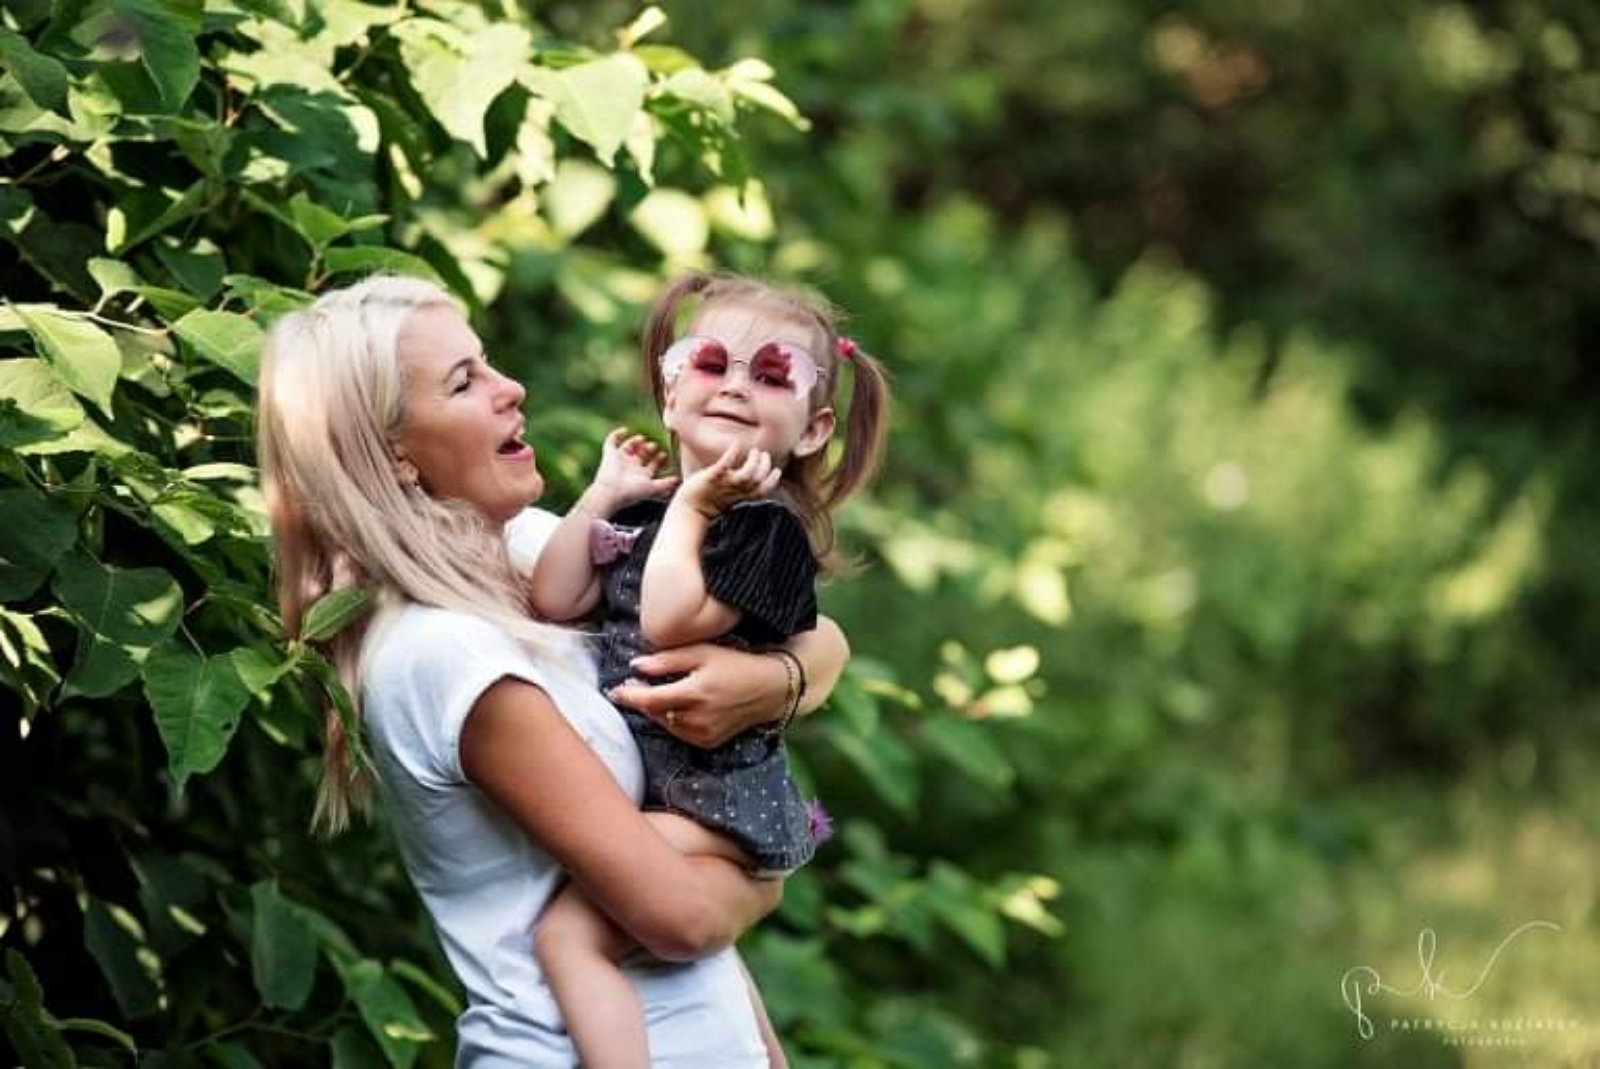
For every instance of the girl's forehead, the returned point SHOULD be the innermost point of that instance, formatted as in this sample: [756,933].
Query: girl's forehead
[741,324]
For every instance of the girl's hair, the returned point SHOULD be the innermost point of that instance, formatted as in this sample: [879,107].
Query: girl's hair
[813,485]
[332,400]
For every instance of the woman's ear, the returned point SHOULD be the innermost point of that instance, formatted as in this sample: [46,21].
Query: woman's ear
[405,471]
[818,430]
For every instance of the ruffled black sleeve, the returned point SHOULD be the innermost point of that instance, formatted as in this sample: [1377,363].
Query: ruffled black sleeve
[757,559]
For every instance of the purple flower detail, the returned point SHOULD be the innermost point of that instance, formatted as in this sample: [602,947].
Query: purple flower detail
[607,542]
[820,822]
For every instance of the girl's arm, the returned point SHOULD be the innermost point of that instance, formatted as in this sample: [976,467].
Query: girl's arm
[564,584]
[675,608]
[521,752]
[724,691]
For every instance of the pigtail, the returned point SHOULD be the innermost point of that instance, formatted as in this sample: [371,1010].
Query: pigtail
[866,426]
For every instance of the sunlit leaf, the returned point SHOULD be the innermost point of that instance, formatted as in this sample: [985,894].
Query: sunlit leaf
[80,353]
[197,701]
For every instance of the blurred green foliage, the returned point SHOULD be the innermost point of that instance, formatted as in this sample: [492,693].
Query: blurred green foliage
[1228,590]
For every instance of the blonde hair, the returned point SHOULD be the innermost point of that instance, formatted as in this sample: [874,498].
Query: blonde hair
[332,400]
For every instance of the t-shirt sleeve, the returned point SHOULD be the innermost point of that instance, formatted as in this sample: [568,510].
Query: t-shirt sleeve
[526,535]
[424,681]
[758,559]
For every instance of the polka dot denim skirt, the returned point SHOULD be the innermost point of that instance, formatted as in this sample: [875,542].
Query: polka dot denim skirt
[741,789]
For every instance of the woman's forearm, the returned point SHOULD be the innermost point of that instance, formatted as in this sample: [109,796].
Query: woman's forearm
[824,651]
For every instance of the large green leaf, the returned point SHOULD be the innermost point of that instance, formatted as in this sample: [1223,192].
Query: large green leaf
[334,612]
[197,702]
[459,74]
[42,77]
[283,949]
[367,259]
[35,406]
[595,101]
[227,339]
[26,664]
[388,1011]
[82,355]
[114,940]
[160,36]
[28,1025]
[34,532]
[122,613]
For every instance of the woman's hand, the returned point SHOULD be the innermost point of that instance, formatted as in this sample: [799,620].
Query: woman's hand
[724,691]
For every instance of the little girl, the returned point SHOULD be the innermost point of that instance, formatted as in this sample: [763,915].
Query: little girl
[732,555]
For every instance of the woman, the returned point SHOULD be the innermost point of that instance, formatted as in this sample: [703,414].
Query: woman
[393,459]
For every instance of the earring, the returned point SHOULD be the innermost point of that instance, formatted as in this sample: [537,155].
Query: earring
[410,478]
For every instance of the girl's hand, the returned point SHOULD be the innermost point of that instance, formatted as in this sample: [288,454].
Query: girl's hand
[736,476]
[723,691]
[629,471]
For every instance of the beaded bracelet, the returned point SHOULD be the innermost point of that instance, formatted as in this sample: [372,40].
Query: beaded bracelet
[795,673]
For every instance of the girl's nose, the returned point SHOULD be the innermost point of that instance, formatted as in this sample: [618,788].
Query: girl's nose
[736,379]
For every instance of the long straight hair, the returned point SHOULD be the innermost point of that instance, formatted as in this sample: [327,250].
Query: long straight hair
[817,484]
[332,401]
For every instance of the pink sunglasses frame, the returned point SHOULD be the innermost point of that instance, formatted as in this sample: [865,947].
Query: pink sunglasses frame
[677,356]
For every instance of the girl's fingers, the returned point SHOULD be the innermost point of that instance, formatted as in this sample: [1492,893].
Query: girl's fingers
[614,437]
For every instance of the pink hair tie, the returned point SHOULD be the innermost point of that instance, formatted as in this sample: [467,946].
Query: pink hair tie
[847,347]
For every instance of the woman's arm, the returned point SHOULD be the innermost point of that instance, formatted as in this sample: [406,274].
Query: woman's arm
[725,691]
[521,752]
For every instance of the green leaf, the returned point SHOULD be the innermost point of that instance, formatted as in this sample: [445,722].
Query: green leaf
[971,748]
[259,669]
[333,612]
[99,1028]
[143,214]
[26,663]
[283,949]
[353,1049]
[122,613]
[197,701]
[596,101]
[29,1027]
[35,406]
[82,355]
[113,939]
[885,762]
[113,276]
[36,531]
[365,259]
[160,34]
[446,998]
[232,1056]
[458,75]
[228,340]
[958,902]
[42,77]
[388,1011]
[320,227]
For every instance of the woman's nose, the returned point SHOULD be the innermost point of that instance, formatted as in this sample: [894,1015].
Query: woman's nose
[510,391]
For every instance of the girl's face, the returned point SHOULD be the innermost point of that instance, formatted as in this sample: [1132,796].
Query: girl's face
[710,410]
[463,419]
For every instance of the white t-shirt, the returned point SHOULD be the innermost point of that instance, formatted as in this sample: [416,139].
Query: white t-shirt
[481,877]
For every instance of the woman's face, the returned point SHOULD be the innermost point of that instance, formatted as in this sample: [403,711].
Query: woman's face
[463,419]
